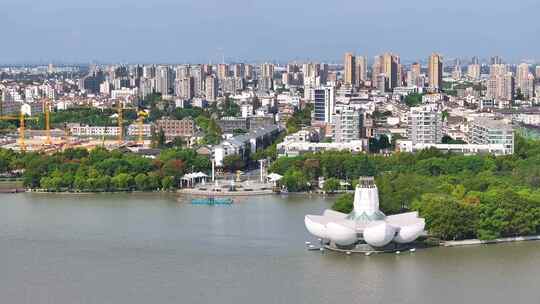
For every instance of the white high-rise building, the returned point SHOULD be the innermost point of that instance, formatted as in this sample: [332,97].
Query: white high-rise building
[324,100]
[425,124]
[347,122]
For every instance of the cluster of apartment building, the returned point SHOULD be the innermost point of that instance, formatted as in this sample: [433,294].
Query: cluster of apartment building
[351,102]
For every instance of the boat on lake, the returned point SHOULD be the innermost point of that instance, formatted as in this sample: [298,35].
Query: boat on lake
[211,201]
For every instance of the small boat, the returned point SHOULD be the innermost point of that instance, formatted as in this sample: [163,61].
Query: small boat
[211,201]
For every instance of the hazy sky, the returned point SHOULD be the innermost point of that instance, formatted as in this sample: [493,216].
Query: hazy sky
[201,30]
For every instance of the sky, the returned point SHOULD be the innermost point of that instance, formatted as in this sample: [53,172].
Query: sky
[197,31]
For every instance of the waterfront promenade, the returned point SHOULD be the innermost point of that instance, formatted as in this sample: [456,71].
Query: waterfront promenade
[495,241]
[226,188]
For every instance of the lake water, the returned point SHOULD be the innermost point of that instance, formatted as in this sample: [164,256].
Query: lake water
[151,248]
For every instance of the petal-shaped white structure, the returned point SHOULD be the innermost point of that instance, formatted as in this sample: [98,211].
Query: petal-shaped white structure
[377,229]
[379,234]
[334,214]
[341,233]
[316,225]
[410,233]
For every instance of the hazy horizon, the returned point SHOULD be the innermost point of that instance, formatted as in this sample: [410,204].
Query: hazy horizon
[170,31]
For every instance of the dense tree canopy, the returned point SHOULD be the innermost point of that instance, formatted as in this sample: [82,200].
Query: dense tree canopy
[478,196]
[102,170]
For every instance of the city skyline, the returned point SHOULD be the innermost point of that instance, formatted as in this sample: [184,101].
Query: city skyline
[204,31]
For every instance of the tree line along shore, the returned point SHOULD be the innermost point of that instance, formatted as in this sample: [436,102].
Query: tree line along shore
[461,197]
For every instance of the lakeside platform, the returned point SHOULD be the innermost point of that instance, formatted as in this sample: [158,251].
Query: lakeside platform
[369,251]
[495,241]
[11,190]
[200,192]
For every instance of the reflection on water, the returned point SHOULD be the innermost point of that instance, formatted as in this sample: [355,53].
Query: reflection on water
[151,248]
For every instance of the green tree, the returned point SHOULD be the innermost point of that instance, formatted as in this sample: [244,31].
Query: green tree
[122,181]
[233,162]
[331,185]
[142,182]
[295,181]
[168,183]
[344,203]
[446,217]
[413,100]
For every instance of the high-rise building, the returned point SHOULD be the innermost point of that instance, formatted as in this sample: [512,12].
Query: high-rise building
[347,124]
[456,73]
[435,71]
[381,82]
[313,75]
[473,71]
[293,68]
[211,88]
[525,80]
[349,69]
[198,80]
[149,71]
[249,72]
[362,62]
[500,85]
[223,71]
[266,80]
[182,72]
[187,88]
[324,104]
[413,77]
[206,69]
[267,70]
[164,80]
[390,65]
[496,60]
[475,60]
[376,69]
[239,70]
[425,124]
[537,72]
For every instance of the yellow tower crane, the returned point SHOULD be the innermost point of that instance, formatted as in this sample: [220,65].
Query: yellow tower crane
[22,118]
[120,123]
[46,109]
[140,123]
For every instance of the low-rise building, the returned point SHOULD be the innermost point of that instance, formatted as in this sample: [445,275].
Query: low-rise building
[176,128]
[296,148]
[135,129]
[245,144]
[229,124]
[466,149]
[76,129]
[489,131]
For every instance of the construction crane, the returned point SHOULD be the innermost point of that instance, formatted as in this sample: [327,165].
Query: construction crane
[22,118]
[120,123]
[46,109]
[140,121]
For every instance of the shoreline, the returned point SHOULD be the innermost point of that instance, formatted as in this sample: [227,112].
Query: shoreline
[476,242]
[197,192]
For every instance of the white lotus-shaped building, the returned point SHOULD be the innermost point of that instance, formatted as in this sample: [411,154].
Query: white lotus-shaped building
[366,224]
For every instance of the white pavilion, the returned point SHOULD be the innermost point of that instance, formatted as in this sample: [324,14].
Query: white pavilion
[366,224]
